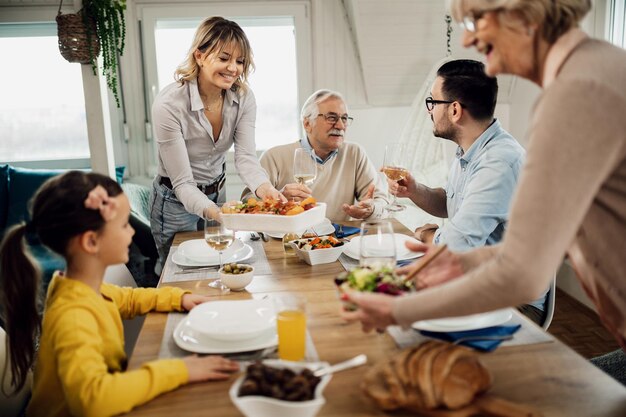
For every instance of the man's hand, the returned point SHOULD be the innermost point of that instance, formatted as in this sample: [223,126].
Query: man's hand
[426,233]
[405,188]
[375,311]
[364,208]
[296,191]
[189,301]
[267,190]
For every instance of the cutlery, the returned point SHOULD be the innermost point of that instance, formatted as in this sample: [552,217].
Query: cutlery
[264,237]
[350,363]
[194,269]
[254,237]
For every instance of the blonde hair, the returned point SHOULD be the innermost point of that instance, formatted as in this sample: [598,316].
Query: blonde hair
[554,17]
[213,35]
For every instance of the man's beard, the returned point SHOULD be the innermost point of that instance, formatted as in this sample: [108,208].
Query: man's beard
[445,130]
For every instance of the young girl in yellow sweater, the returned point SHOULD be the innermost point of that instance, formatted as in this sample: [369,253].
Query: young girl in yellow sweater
[80,366]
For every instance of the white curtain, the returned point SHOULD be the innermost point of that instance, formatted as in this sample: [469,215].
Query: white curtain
[429,157]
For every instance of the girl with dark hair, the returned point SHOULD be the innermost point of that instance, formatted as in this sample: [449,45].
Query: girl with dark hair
[80,367]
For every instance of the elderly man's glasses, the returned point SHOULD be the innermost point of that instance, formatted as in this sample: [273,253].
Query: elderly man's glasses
[430,103]
[333,118]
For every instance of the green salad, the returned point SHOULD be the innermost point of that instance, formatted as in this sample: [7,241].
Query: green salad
[382,280]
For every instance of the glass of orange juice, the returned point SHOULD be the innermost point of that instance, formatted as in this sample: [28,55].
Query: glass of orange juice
[291,326]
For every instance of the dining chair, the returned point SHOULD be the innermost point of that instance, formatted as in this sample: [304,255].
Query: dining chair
[11,405]
[120,275]
[550,304]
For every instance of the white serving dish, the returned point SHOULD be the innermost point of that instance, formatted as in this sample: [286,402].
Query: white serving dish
[199,251]
[318,256]
[274,223]
[324,228]
[233,320]
[260,406]
[236,282]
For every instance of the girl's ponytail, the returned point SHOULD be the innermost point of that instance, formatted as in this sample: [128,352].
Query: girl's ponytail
[19,297]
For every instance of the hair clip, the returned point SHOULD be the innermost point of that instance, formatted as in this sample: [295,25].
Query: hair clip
[98,199]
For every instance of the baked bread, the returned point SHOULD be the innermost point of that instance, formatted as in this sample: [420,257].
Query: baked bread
[430,376]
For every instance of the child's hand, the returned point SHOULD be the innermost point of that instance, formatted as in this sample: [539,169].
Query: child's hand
[209,368]
[189,301]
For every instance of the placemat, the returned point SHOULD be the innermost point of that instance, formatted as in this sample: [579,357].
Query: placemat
[347,262]
[174,273]
[527,335]
[169,349]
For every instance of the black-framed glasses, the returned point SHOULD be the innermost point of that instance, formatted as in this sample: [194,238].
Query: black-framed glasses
[333,118]
[430,103]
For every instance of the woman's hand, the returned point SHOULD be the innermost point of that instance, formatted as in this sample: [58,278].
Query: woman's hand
[445,267]
[189,301]
[375,311]
[267,190]
[213,212]
[209,368]
[297,192]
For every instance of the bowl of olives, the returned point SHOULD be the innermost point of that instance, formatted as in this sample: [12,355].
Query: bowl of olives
[236,276]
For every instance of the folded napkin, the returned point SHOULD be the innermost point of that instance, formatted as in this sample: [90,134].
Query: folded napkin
[345,231]
[405,262]
[484,345]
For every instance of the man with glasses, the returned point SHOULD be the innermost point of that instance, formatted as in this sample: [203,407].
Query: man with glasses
[346,179]
[483,177]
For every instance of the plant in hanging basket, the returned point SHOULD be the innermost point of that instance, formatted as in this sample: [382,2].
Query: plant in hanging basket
[98,27]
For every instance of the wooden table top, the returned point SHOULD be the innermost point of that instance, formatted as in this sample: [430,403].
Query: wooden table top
[548,376]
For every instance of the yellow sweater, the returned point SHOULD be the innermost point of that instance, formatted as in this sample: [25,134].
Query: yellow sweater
[81,363]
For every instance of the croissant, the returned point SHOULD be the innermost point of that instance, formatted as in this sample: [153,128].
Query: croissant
[429,376]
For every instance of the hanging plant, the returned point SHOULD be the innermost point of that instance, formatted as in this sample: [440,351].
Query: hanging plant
[111,32]
[103,29]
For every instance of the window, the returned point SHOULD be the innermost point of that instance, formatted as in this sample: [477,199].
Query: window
[42,106]
[278,54]
[617,22]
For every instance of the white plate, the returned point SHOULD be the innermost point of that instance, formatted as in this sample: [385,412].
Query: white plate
[472,322]
[324,228]
[353,248]
[233,320]
[274,223]
[188,339]
[244,253]
[199,251]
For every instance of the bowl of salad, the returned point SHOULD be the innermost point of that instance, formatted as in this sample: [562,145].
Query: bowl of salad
[319,249]
[381,279]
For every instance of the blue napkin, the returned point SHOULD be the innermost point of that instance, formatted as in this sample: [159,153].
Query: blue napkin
[484,345]
[345,231]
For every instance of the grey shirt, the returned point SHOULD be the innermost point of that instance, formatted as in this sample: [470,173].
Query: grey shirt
[188,152]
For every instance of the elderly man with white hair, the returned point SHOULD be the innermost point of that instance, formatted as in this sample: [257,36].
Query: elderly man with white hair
[346,181]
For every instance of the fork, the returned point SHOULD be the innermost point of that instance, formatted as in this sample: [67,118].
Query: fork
[340,232]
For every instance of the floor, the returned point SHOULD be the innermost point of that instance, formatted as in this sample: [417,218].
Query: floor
[579,327]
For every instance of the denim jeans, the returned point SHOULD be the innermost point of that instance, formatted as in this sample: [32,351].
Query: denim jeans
[168,217]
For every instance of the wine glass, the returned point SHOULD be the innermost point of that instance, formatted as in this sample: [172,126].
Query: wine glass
[394,168]
[304,166]
[219,238]
[378,246]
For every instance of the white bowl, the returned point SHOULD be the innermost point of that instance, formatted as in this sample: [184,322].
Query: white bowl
[233,320]
[260,406]
[319,256]
[237,282]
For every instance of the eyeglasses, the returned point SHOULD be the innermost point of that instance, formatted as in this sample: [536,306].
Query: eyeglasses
[430,103]
[333,118]
[469,22]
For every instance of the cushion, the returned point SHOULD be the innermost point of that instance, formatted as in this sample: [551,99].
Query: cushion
[4,196]
[23,182]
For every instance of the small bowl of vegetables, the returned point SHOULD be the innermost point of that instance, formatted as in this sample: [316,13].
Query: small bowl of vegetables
[380,279]
[236,276]
[319,249]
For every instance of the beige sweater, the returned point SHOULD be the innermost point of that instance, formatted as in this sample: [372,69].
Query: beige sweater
[571,198]
[343,179]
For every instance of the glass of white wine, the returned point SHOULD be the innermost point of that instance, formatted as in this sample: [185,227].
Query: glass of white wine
[218,237]
[394,167]
[304,166]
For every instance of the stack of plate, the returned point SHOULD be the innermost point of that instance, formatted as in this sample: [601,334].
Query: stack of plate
[353,248]
[197,252]
[228,327]
[464,323]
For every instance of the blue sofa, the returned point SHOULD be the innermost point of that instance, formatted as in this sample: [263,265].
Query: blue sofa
[17,187]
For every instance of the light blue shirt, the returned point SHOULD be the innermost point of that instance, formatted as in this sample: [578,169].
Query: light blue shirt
[304,142]
[480,186]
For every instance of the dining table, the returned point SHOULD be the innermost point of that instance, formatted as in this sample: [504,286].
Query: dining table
[543,373]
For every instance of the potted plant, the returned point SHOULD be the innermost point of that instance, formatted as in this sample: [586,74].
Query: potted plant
[98,27]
